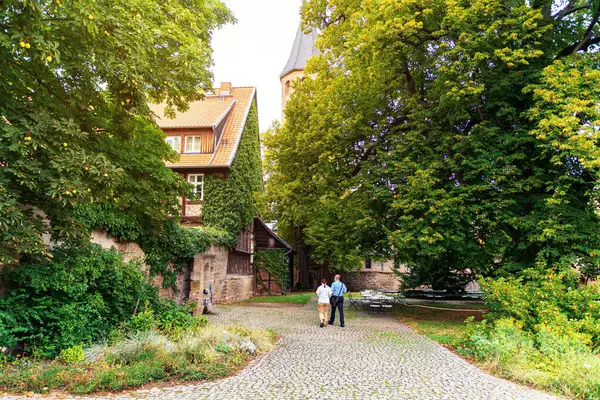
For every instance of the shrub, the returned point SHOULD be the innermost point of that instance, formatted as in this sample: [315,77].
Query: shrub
[167,317]
[140,358]
[546,298]
[71,300]
[72,355]
[542,330]
[142,321]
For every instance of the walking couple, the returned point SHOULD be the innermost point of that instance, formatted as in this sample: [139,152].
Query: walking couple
[333,295]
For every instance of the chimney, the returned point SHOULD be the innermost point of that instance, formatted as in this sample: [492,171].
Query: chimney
[225,89]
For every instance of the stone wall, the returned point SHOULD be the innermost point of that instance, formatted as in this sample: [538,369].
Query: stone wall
[209,272]
[133,252]
[371,279]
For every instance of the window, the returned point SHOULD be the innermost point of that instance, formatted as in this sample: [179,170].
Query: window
[368,263]
[174,142]
[287,88]
[193,144]
[197,180]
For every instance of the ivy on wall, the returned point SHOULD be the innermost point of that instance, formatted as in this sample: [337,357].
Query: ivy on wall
[229,207]
[168,246]
[273,262]
[229,202]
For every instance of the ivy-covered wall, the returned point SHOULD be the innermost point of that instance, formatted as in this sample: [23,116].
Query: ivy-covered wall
[229,203]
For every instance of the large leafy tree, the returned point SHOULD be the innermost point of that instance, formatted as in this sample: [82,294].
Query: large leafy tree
[74,125]
[463,133]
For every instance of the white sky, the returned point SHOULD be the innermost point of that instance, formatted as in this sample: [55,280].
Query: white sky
[254,51]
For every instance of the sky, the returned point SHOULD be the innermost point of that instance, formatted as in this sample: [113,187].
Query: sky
[254,51]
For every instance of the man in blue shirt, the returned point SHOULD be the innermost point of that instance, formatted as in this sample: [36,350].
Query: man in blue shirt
[337,300]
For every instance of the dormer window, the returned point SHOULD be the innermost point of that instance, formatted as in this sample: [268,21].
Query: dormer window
[174,142]
[193,144]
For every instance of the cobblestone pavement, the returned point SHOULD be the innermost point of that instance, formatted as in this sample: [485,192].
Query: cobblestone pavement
[373,357]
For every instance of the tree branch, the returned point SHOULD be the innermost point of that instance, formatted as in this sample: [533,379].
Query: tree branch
[568,10]
[371,149]
[40,81]
[585,43]
[412,89]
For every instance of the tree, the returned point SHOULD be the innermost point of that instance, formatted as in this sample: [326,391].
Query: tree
[75,128]
[465,133]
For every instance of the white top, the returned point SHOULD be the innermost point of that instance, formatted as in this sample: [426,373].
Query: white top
[324,293]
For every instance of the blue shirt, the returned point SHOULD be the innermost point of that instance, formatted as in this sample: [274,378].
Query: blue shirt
[338,288]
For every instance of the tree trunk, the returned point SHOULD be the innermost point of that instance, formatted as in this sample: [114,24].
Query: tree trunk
[304,272]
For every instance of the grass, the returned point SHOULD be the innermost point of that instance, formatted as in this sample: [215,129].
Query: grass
[146,357]
[572,374]
[445,327]
[296,298]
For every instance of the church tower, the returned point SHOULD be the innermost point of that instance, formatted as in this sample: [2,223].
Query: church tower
[303,49]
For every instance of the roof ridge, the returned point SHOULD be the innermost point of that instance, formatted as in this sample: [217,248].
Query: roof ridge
[242,127]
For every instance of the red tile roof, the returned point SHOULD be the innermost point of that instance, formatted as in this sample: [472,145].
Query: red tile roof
[209,113]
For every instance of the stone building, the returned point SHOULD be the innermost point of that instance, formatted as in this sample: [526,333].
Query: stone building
[375,275]
[207,136]
[302,49]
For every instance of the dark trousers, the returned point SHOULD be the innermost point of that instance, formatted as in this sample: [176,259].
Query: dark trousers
[340,306]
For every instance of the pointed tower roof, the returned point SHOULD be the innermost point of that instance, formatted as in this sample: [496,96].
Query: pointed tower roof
[303,49]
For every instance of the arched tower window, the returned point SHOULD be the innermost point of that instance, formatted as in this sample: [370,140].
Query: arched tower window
[287,88]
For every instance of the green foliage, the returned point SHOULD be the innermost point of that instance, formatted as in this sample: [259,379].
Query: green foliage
[170,319]
[274,262]
[543,330]
[544,299]
[460,134]
[168,246]
[229,202]
[71,300]
[175,323]
[141,358]
[142,321]
[549,358]
[74,125]
[72,355]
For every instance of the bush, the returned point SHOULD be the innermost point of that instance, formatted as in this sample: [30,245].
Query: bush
[72,355]
[539,299]
[166,317]
[71,300]
[140,358]
[142,321]
[542,330]
[176,320]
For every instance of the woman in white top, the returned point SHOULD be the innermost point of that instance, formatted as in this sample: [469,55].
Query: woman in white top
[324,292]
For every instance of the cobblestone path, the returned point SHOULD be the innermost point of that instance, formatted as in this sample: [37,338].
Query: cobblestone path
[373,357]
